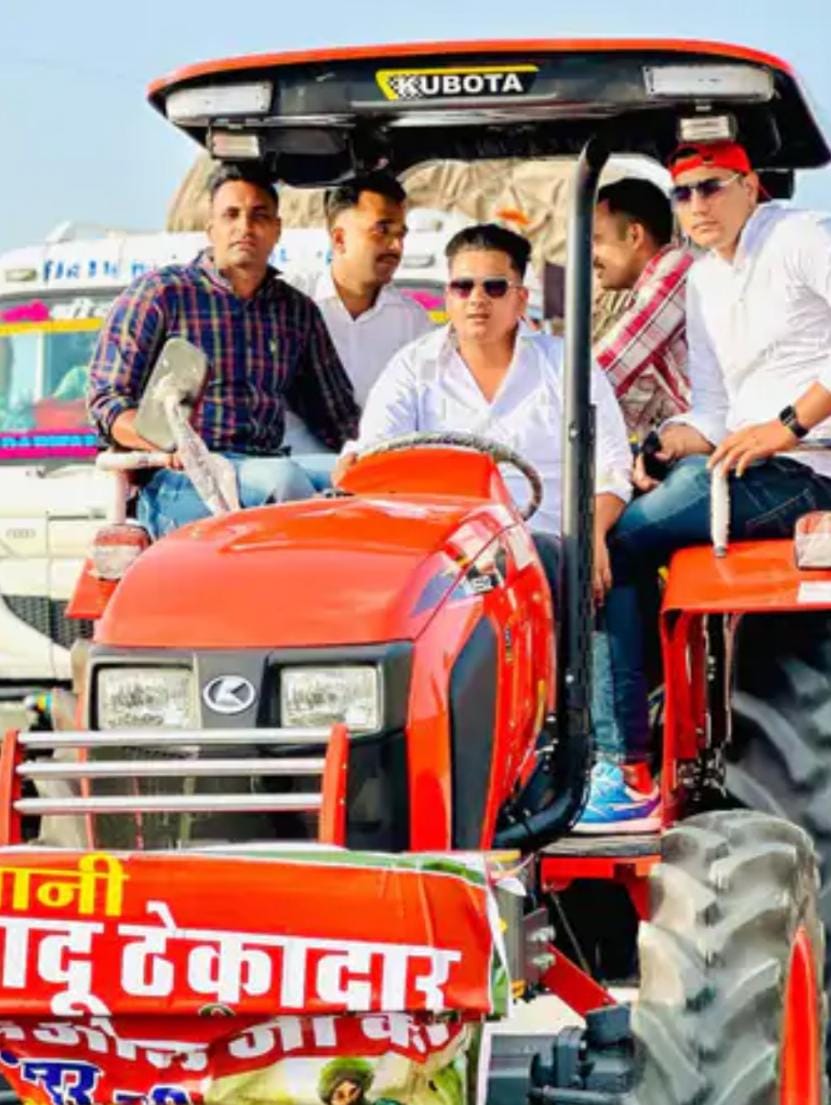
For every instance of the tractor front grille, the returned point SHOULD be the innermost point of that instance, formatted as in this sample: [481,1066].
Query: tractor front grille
[48,617]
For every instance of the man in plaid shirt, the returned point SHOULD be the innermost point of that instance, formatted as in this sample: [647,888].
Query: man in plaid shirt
[266,344]
[644,353]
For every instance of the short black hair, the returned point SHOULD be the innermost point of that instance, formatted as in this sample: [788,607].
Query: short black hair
[640,201]
[249,172]
[491,236]
[348,194]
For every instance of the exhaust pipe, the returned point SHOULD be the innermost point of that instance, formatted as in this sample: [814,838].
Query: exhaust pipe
[556,792]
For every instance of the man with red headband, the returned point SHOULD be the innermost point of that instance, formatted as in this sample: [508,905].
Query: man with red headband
[759,337]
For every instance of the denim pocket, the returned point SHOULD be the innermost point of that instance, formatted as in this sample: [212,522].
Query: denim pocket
[779,520]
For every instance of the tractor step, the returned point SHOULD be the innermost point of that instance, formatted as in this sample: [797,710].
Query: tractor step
[620,846]
[627,858]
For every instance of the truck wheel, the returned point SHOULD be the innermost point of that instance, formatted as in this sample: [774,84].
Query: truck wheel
[731,1009]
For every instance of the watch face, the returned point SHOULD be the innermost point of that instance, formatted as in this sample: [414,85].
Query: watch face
[788,417]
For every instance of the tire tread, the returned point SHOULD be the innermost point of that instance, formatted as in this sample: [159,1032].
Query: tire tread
[730,892]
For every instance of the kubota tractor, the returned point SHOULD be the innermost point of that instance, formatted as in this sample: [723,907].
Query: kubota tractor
[311,833]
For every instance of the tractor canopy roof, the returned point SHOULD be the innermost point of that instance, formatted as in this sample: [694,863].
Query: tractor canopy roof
[320,116]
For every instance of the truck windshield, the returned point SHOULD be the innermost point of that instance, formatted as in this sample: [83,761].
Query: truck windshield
[45,348]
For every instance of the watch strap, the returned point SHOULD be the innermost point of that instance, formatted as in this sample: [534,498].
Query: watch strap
[788,417]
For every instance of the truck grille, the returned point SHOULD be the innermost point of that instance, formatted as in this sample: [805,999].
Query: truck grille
[48,617]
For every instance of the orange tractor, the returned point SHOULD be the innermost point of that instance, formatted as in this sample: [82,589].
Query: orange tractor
[311,833]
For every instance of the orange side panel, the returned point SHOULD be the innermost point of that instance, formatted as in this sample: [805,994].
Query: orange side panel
[526,677]
[754,576]
[91,594]
[428,725]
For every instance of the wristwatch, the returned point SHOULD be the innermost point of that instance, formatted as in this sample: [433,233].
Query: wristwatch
[788,417]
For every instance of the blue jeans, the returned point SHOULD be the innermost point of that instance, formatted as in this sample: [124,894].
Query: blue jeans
[607,740]
[170,500]
[764,503]
[318,467]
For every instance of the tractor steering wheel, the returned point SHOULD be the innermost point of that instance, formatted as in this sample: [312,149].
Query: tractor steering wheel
[499,454]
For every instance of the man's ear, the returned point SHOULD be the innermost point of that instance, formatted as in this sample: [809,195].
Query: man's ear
[636,232]
[337,237]
[750,183]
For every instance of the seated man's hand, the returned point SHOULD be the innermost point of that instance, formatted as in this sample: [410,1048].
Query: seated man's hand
[677,440]
[742,448]
[123,433]
[602,576]
[342,466]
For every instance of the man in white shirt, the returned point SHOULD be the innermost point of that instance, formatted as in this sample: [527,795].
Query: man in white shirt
[759,335]
[488,374]
[368,318]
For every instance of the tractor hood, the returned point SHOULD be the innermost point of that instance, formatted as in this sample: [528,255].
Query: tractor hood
[317,573]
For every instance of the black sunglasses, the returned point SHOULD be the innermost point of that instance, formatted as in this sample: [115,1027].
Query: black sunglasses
[494,287]
[683,193]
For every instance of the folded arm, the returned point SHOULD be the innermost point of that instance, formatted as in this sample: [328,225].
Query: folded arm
[124,354]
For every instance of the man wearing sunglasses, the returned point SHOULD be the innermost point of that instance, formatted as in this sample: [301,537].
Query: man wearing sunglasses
[488,373]
[759,336]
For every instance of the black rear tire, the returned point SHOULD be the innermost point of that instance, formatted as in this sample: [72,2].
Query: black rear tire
[779,761]
[731,893]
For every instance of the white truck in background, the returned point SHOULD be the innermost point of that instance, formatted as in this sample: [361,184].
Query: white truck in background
[53,298]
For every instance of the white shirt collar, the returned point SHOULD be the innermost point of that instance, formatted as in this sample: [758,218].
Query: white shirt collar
[445,342]
[325,286]
[752,233]
[326,290]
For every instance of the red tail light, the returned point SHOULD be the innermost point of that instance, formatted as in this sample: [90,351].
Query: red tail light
[115,548]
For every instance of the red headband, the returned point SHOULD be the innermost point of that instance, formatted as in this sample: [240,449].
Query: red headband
[709,155]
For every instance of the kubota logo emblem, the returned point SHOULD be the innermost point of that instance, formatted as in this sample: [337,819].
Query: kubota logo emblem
[473,82]
[229,694]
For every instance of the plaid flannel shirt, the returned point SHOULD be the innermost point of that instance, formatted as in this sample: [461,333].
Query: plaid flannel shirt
[264,353]
[644,353]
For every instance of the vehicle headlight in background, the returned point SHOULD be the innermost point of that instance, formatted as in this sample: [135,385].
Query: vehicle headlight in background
[137,698]
[311,697]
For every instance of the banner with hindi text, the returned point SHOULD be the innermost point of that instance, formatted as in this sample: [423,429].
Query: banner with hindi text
[182,978]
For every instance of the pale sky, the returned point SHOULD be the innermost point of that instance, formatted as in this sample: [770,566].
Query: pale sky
[79,141]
